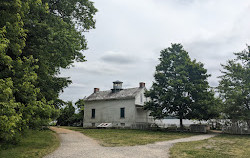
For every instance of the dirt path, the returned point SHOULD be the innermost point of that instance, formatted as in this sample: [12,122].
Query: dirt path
[76,145]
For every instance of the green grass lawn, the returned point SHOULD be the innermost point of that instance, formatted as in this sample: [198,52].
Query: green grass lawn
[222,146]
[128,137]
[34,144]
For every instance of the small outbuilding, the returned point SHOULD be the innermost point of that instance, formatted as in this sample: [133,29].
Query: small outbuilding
[117,107]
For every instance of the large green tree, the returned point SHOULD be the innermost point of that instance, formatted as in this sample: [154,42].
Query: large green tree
[19,105]
[56,38]
[234,87]
[37,38]
[180,88]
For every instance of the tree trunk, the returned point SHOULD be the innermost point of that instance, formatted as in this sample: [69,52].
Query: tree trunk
[235,127]
[248,123]
[181,123]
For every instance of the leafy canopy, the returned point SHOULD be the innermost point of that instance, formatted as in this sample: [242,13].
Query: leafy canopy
[37,39]
[56,38]
[180,88]
[234,87]
[68,115]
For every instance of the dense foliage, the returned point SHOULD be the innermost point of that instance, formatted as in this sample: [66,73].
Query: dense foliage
[80,107]
[234,87]
[71,116]
[55,37]
[180,88]
[37,38]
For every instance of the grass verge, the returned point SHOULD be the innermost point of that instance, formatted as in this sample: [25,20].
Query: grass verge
[128,137]
[222,146]
[34,144]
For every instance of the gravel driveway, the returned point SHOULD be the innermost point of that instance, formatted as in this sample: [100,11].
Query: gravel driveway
[76,145]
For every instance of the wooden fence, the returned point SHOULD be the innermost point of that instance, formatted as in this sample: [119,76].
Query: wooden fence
[236,127]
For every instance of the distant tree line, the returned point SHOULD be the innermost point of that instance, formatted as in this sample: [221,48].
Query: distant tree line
[181,88]
[37,39]
[71,115]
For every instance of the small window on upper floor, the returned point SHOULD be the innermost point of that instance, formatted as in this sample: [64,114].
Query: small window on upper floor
[141,97]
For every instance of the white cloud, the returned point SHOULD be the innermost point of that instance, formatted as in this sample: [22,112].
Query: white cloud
[129,35]
[117,58]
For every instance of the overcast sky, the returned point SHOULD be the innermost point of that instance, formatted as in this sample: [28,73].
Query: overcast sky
[129,35]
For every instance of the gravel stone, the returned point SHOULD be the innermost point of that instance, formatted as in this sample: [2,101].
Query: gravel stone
[76,145]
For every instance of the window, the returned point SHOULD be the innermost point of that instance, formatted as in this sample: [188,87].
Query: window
[122,124]
[93,113]
[122,113]
[93,124]
[141,98]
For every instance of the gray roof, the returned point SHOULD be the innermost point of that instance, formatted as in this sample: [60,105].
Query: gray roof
[108,95]
[117,81]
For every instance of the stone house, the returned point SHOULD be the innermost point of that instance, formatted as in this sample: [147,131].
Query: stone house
[118,107]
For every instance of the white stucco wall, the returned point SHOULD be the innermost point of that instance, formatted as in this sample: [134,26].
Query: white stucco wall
[140,98]
[142,116]
[108,111]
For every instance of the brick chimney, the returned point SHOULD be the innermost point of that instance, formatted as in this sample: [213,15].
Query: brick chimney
[96,90]
[142,84]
